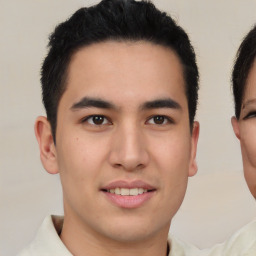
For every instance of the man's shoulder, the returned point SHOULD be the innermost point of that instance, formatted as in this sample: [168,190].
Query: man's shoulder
[180,248]
[47,240]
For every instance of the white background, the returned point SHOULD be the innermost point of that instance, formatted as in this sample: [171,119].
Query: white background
[217,201]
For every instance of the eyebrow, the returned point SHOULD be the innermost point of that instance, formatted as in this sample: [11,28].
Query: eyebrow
[161,103]
[88,102]
[248,102]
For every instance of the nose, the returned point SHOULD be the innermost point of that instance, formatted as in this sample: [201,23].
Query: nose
[129,149]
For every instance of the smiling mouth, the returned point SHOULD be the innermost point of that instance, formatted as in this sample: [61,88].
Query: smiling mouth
[128,191]
[128,194]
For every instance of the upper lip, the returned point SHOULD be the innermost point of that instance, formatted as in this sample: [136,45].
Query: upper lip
[128,184]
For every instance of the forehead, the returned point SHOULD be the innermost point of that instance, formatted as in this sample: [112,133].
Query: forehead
[123,68]
[250,85]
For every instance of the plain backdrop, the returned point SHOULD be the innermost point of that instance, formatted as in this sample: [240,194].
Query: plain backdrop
[217,202]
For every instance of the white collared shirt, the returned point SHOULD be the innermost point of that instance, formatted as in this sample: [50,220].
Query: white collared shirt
[48,243]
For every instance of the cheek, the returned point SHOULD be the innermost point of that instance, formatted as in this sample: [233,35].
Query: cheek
[248,144]
[79,160]
[172,153]
[172,164]
[172,158]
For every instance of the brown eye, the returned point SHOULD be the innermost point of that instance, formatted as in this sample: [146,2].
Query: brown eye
[159,119]
[97,120]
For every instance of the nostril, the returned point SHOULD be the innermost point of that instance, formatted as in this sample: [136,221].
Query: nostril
[117,165]
[140,166]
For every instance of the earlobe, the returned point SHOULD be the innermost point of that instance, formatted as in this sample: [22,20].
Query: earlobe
[46,145]
[194,139]
[235,125]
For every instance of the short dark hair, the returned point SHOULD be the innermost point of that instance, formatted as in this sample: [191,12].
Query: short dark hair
[245,57]
[118,20]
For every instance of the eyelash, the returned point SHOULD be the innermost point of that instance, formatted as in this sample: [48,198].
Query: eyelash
[167,120]
[106,121]
[86,120]
[250,115]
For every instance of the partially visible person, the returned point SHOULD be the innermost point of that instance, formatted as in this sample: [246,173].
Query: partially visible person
[244,125]
[244,90]
[243,242]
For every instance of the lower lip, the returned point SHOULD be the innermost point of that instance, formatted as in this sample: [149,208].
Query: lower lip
[129,201]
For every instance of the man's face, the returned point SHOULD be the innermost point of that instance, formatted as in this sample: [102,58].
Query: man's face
[124,149]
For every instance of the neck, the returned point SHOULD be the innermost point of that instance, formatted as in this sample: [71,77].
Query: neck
[79,240]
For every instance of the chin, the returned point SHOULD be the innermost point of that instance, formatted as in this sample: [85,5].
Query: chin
[134,230]
[130,236]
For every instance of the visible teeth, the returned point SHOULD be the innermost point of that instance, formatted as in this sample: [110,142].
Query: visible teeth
[141,190]
[134,192]
[127,191]
[117,191]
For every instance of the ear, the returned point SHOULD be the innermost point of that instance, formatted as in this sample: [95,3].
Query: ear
[46,145]
[194,140]
[235,125]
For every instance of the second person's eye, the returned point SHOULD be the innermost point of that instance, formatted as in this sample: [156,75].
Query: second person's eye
[250,115]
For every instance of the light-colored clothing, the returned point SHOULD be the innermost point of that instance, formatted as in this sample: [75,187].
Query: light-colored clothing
[242,243]
[48,243]
[180,248]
